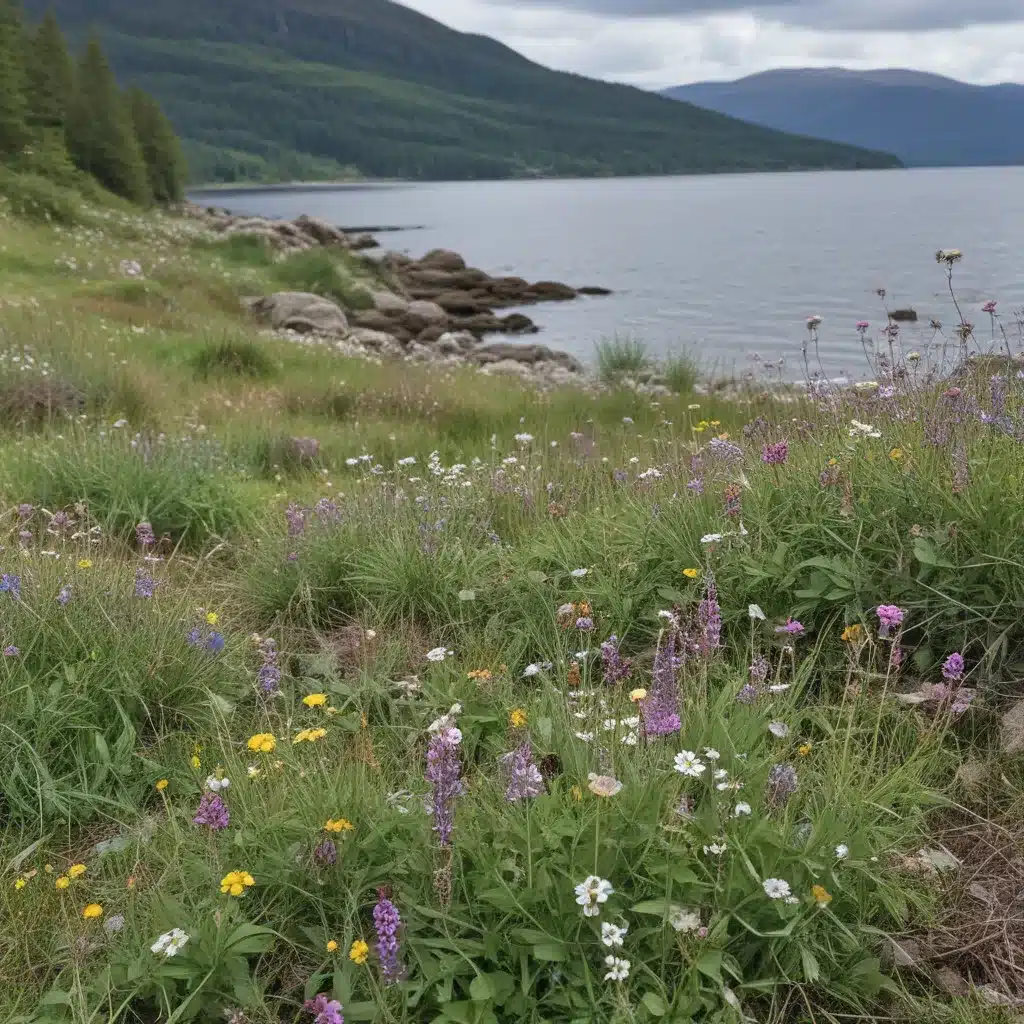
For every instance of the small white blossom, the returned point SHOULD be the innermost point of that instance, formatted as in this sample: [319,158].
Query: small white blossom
[578,573]
[409,460]
[779,687]
[842,851]
[779,729]
[631,739]
[791,900]
[618,969]
[530,670]
[711,754]
[438,654]
[754,611]
[716,849]
[524,438]
[215,785]
[721,773]
[627,419]
[711,538]
[587,737]
[686,763]
[741,809]
[612,935]
[776,888]
[591,893]
[170,942]
[683,920]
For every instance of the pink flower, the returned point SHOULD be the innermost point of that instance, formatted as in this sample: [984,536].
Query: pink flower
[889,616]
[862,326]
[989,307]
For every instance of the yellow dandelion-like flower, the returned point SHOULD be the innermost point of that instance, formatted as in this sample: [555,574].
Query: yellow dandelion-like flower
[211,618]
[161,785]
[91,911]
[481,675]
[637,695]
[714,423]
[85,563]
[691,574]
[309,736]
[262,742]
[804,749]
[896,454]
[20,883]
[852,633]
[338,825]
[48,868]
[701,427]
[332,946]
[517,719]
[234,883]
[576,793]
[359,952]
[62,883]
[195,762]
[315,700]
[821,895]
[76,870]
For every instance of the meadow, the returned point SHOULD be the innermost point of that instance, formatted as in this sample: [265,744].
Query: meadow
[340,690]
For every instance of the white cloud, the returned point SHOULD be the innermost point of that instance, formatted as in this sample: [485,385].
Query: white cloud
[655,52]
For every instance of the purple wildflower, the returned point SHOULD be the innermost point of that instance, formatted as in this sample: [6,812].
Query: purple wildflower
[387,922]
[328,1011]
[793,627]
[748,694]
[725,450]
[660,708]
[212,812]
[144,583]
[620,476]
[889,616]
[696,485]
[616,668]
[896,656]
[64,597]
[11,584]
[775,454]
[759,669]
[144,535]
[326,853]
[525,780]
[782,784]
[585,624]
[10,651]
[24,537]
[296,516]
[444,773]
[215,642]
[269,675]
[953,667]
[733,500]
[709,620]
[25,510]
[194,637]
[327,511]
[964,696]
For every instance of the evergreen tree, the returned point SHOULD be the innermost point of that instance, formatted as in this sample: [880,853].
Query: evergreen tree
[165,162]
[50,74]
[14,134]
[99,129]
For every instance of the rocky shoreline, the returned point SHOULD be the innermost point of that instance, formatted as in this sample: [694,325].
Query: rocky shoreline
[434,309]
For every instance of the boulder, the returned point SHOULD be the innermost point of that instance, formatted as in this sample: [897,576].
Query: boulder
[904,316]
[552,291]
[591,289]
[461,340]
[429,311]
[479,323]
[507,368]
[361,241]
[443,259]
[516,323]
[320,231]
[431,334]
[390,303]
[379,341]
[302,312]
[1011,731]
[460,302]
[529,354]
[427,277]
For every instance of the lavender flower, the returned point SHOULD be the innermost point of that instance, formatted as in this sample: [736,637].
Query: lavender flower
[24,537]
[444,773]
[212,812]
[525,780]
[782,784]
[327,511]
[328,1011]
[759,669]
[144,583]
[215,642]
[889,617]
[616,668]
[11,584]
[792,627]
[326,853]
[725,450]
[748,694]
[709,620]
[953,667]
[194,637]
[25,510]
[10,651]
[388,922]
[269,675]
[585,624]
[64,597]
[775,454]
[296,516]
[696,486]
[144,535]
[660,708]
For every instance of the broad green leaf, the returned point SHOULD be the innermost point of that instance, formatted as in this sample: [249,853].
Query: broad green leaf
[656,1005]
[552,951]
[481,989]
[709,963]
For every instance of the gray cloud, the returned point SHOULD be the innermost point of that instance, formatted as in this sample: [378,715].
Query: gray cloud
[861,15]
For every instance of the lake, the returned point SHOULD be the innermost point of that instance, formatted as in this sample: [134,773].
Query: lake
[725,265]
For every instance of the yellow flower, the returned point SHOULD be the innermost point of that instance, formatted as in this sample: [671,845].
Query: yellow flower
[852,633]
[358,953]
[211,618]
[637,695]
[804,749]
[262,742]
[332,946]
[896,454]
[691,574]
[309,736]
[85,563]
[76,870]
[481,675]
[576,793]
[338,825]
[821,895]
[701,427]
[20,883]
[234,883]
[714,423]
[832,462]
[517,719]
[195,762]
[315,700]
[62,883]
[161,785]
[48,868]
[91,911]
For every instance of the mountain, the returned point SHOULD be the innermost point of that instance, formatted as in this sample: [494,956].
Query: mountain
[926,120]
[308,88]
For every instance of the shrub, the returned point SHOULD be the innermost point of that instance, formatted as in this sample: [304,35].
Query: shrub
[242,250]
[236,357]
[621,356]
[33,401]
[681,372]
[36,198]
[322,272]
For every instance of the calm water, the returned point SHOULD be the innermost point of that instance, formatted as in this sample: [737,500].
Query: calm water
[724,265]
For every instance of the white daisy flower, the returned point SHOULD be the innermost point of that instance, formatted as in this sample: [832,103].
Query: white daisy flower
[776,888]
[170,943]
[779,687]
[612,934]
[686,763]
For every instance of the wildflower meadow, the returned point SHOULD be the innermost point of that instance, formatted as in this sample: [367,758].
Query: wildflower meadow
[350,690]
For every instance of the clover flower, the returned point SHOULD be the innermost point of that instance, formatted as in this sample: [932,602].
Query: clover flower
[953,667]
[326,853]
[591,893]
[144,535]
[842,851]
[775,454]
[616,669]
[328,1011]
[144,584]
[889,617]
[269,675]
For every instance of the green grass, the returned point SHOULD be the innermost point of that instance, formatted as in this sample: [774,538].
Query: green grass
[621,356]
[357,563]
[324,273]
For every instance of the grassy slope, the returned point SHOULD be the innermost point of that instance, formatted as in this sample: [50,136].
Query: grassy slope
[104,698]
[373,85]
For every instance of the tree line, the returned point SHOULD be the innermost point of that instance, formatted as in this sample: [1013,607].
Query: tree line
[59,114]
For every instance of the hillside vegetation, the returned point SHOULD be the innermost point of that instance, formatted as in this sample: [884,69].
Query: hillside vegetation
[324,88]
[336,689]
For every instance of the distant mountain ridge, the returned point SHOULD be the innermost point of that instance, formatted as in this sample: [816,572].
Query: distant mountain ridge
[289,89]
[925,119]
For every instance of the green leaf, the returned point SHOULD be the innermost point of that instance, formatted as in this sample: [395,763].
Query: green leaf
[709,963]
[656,1005]
[684,876]
[481,989]
[926,552]
[535,576]
[659,908]
[467,595]
[812,970]
[551,951]
[463,1011]
[544,729]
[360,1011]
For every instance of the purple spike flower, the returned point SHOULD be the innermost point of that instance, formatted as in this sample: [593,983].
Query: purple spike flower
[144,583]
[388,922]
[748,694]
[215,642]
[328,1011]
[326,853]
[660,708]
[889,617]
[10,651]
[759,669]
[775,454]
[194,637]
[782,784]
[709,620]
[25,510]
[11,584]
[444,773]
[269,675]
[953,667]
[725,450]
[212,812]
[525,780]
[296,516]
[616,668]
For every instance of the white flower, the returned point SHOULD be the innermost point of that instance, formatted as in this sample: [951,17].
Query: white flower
[683,919]
[716,849]
[791,900]
[730,997]
[215,785]
[120,423]
[530,670]
[608,724]
[612,935]
[632,722]
[858,429]
[351,462]
[619,969]
[587,737]
[253,771]
[754,611]
[721,773]
[510,461]
[779,687]
[712,755]
[741,808]
[650,474]
[170,942]
[842,851]
[438,654]
[409,460]
[579,573]
[591,893]
[664,614]
[779,729]
[524,438]
[711,538]
[631,739]
[627,419]
[776,888]
[686,763]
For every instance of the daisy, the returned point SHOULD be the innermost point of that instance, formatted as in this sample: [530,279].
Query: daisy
[776,888]
[741,809]
[711,754]
[170,943]
[686,763]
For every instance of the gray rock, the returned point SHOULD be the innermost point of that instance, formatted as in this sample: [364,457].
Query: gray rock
[320,231]
[529,354]
[507,368]
[1011,730]
[591,289]
[461,302]
[462,340]
[389,302]
[362,241]
[429,311]
[302,312]
[904,315]
[552,291]
[379,341]
[443,259]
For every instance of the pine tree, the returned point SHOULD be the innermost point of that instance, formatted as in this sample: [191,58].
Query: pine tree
[165,162]
[14,134]
[99,129]
[50,75]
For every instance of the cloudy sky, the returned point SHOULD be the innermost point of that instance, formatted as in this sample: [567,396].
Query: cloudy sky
[657,43]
